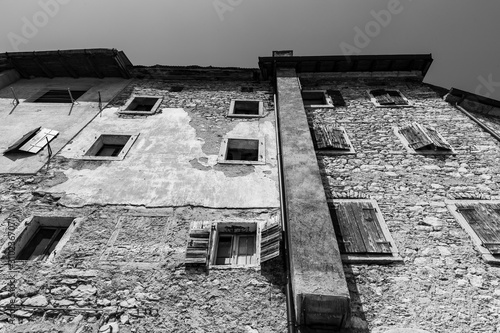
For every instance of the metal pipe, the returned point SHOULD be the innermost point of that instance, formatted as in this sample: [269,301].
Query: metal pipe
[477,121]
[291,322]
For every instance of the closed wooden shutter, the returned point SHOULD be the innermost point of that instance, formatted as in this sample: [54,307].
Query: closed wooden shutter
[198,247]
[484,219]
[337,98]
[382,97]
[330,137]
[416,137]
[358,228]
[270,241]
[439,142]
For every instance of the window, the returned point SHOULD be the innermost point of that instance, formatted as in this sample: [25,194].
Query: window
[110,147]
[418,139]
[242,151]
[331,139]
[176,88]
[60,96]
[316,98]
[142,105]
[481,220]
[245,108]
[33,141]
[388,98]
[228,244]
[246,89]
[362,234]
[41,237]
[337,98]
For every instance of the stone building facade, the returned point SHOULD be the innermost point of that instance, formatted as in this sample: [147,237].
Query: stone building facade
[312,194]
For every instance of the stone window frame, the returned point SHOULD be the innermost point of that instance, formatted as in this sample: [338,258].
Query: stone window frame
[360,258]
[231,113]
[29,226]
[154,108]
[351,150]
[327,99]
[221,159]
[487,256]
[123,152]
[410,150]
[378,105]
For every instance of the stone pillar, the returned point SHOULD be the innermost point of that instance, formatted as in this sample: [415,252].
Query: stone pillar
[319,287]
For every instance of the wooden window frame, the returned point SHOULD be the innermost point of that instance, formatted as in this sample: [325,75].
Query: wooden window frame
[378,105]
[222,158]
[410,150]
[232,106]
[154,108]
[328,103]
[28,228]
[87,154]
[487,256]
[364,258]
[332,151]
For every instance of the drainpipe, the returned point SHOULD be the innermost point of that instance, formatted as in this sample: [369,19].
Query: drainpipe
[477,121]
[290,312]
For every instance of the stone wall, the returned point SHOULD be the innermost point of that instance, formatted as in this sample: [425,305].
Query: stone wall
[443,284]
[124,265]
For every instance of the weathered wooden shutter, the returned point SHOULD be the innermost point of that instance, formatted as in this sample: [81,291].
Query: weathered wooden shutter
[270,241]
[382,97]
[198,246]
[330,137]
[337,98]
[416,137]
[484,219]
[396,97]
[358,228]
[40,140]
[439,142]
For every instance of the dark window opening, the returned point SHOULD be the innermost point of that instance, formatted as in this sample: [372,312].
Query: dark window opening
[142,104]
[59,96]
[108,145]
[176,88]
[110,150]
[238,249]
[246,89]
[41,245]
[246,107]
[242,150]
[313,98]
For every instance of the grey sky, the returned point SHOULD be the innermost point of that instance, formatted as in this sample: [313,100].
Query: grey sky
[460,34]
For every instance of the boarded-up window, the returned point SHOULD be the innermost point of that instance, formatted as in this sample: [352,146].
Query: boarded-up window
[358,228]
[270,241]
[33,141]
[197,251]
[331,138]
[385,97]
[336,97]
[484,219]
[424,138]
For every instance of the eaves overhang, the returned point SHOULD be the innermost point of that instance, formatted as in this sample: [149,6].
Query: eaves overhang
[99,63]
[341,63]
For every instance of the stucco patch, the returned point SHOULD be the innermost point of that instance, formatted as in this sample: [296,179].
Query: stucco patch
[235,170]
[197,165]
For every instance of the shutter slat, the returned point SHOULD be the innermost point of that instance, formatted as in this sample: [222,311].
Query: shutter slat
[330,137]
[374,235]
[270,241]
